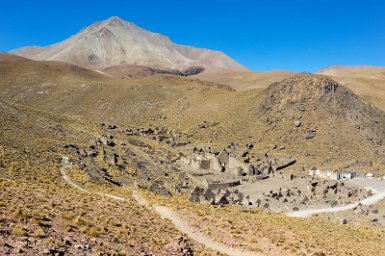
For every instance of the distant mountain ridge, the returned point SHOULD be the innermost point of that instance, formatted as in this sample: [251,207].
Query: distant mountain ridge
[114,42]
[340,70]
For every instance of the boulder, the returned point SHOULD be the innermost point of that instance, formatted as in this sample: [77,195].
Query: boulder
[237,197]
[178,247]
[223,157]
[310,134]
[222,198]
[158,188]
[196,194]
[103,140]
[305,200]
[107,141]
[209,196]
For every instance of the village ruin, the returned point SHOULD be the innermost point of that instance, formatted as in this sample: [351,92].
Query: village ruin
[232,175]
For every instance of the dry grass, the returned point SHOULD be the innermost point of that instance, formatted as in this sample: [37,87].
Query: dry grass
[246,80]
[45,106]
[36,202]
[274,233]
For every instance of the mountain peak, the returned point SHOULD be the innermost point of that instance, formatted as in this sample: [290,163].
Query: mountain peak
[116,21]
[115,18]
[113,21]
[114,41]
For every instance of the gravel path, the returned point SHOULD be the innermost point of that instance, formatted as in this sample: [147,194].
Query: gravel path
[375,186]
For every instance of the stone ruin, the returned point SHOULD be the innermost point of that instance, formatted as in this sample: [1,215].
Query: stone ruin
[225,162]
[217,193]
[159,134]
[230,170]
[314,192]
[85,158]
[221,162]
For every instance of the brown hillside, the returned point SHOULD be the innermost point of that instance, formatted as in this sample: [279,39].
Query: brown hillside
[118,133]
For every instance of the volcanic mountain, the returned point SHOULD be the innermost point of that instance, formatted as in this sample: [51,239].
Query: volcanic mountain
[114,42]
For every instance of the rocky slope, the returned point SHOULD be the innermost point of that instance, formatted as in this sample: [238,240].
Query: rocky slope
[366,81]
[303,94]
[114,41]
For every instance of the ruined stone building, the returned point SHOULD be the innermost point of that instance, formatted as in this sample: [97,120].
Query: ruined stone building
[221,162]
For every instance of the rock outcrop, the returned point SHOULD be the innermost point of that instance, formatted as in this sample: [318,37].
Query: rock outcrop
[316,100]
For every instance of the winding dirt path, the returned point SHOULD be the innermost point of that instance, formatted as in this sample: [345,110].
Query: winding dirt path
[165,213]
[380,194]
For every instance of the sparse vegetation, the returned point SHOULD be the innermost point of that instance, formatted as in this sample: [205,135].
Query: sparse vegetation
[36,202]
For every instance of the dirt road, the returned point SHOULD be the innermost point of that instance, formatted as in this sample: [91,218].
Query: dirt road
[376,186]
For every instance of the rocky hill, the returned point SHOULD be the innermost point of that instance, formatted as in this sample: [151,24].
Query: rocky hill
[318,98]
[115,41]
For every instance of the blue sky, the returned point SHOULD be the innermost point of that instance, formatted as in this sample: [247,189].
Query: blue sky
[263,35]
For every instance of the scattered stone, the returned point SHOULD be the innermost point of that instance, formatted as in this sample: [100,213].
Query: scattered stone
[196,193]
[178,247]
[309,134]
[158,187]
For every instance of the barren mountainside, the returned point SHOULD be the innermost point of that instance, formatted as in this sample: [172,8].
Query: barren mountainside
[79,147]
[317,102]
[114,41]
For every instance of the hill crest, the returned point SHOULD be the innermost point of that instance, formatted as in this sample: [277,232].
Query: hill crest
[316,100]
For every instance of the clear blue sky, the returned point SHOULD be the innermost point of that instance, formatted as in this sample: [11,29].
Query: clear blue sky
[276,34]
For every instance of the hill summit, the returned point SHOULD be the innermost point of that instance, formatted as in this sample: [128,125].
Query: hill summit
[114,42]
[316,100]
[308,89]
